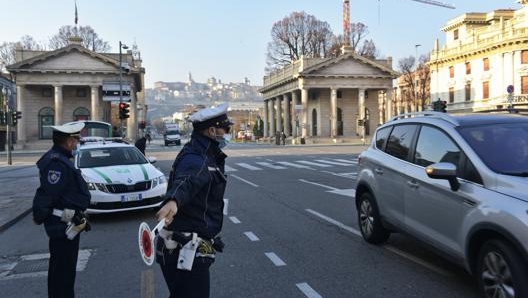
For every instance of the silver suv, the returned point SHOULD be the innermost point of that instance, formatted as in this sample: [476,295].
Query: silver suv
[458,183]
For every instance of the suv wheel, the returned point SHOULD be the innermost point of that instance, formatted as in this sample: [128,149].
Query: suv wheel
[501,271]
[369,220]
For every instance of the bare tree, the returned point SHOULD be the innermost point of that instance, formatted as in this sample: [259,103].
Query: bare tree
[416,77]
[358,42]
[8,49]
[90,39]
[296,35]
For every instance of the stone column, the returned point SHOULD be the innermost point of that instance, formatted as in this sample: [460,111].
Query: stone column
[287,114]
[271,118]
[278,104]
[361,110]
[265,119]
[304,117]
[295,102]
[58,105]
[94,91]
[388,105]
[333,112]
[21,106]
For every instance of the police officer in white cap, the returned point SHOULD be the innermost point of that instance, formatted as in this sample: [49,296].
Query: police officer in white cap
[193,210]
[59,203]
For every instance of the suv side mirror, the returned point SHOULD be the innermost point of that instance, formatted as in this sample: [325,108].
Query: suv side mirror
[444,170]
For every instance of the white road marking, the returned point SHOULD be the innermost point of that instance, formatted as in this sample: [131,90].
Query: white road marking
[308,291]
[291,164]
[234,220]
[348,192]
[418,261]
[248,166]
[313,163]
[334,222]
[229,169]
[318,184]
[251,236]
[347,161]
[244,180]
[333,162]
[5,269]
[226,204]
[270,165]
[388,247]
[275,259]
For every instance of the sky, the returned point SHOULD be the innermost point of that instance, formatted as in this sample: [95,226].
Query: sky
[227,39]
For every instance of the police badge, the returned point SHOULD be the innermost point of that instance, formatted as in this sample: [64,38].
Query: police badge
[53,176]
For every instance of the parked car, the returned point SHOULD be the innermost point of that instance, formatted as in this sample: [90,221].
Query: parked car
[119,176]
[457,183]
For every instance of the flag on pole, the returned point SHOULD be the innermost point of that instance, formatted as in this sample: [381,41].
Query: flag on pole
[76,16]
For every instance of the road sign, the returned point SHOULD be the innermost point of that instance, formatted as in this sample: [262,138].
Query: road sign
[509,89]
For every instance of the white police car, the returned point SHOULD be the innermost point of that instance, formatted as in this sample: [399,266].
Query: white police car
[119,176]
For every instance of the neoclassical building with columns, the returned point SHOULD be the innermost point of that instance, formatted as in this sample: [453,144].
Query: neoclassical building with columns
[74,83]
[343,97]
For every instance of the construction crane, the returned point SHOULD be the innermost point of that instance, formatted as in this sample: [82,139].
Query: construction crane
[437,3]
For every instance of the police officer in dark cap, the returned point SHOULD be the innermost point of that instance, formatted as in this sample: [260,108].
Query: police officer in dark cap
[59,203]
[193,210]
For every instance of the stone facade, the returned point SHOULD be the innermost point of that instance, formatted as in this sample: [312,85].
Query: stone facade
[322,98]
[55,87]
[484,53]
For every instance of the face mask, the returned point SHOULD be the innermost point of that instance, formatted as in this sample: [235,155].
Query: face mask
[76,150]
[222,140]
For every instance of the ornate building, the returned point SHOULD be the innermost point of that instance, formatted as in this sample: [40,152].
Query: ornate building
[485,57]
[334,97]
[74,83]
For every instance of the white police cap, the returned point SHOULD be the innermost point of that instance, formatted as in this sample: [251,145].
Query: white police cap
[214,116]
[72,129]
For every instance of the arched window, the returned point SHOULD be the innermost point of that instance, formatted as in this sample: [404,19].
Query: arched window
[46,118]
[81,114]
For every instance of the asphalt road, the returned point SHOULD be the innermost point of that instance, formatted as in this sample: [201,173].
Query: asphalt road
[290,230]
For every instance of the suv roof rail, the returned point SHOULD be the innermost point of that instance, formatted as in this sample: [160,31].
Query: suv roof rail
[426,113]
[92,139]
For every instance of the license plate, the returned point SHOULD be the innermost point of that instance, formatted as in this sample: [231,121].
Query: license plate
[132,197]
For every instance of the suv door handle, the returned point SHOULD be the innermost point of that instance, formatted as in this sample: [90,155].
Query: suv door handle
[378,171]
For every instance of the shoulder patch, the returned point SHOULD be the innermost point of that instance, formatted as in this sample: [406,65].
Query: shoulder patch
[54,176]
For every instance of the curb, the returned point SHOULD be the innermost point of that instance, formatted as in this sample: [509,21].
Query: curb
[11,222]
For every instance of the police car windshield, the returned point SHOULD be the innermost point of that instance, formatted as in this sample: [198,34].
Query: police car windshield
[109,156]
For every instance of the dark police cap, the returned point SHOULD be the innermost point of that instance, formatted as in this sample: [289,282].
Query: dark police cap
[211,117]
[69,129]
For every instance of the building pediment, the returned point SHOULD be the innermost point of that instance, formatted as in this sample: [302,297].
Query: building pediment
[70,59]
[349,65]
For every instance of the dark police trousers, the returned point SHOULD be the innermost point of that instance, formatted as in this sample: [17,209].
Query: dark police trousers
[188,284]
[62,267]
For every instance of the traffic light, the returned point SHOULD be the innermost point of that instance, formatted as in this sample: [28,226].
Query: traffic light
[15,116]
[3,118]
[124,110]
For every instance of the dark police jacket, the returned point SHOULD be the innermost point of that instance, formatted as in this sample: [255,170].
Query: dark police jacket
[197,184]
[61,186]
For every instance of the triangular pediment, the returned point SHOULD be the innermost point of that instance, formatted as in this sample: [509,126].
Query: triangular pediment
[350,65]
[68,59]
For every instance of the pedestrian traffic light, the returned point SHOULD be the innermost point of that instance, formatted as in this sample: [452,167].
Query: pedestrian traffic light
[16,115]
[124,110]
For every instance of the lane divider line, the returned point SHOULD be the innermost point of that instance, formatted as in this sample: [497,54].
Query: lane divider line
[308,291]
[275,259]
[251,236]
[244,180]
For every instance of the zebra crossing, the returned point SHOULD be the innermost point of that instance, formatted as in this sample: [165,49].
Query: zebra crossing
[329,163]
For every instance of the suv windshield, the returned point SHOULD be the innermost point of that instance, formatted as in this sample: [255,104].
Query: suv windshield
[103,157]
[173,132]
[502,147]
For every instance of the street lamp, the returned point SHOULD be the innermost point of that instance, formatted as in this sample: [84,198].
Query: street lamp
[6,93]
[124,47]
